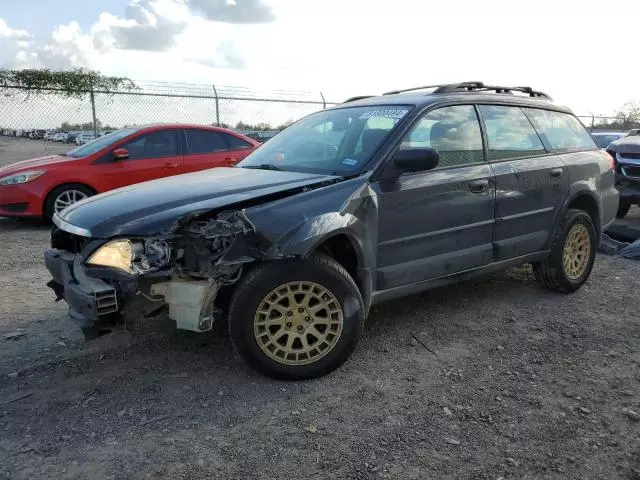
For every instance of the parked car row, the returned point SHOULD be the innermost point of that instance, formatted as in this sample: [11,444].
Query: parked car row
[32,134]
[79,138]
[604,138]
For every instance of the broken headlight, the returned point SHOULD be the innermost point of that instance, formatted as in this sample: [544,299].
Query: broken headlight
[133,256]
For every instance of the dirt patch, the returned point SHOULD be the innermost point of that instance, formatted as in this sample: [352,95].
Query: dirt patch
[482,380]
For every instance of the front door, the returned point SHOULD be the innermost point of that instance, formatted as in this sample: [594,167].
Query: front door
[439,222]
[151,155]
[530,182]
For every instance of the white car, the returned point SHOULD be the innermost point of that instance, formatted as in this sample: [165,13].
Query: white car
[83,138]
[58,137]
[86,137]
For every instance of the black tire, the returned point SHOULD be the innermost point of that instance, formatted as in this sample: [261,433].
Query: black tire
[51,198]
[254,287]
[551,273]
[623,208]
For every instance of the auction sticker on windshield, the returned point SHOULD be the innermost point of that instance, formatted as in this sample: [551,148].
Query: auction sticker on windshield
[386,113]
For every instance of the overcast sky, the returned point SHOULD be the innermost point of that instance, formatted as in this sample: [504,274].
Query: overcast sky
[584,53]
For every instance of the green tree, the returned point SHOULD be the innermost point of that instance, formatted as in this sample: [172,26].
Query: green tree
[74,83]
[87,126]
[259,126]
[626,117]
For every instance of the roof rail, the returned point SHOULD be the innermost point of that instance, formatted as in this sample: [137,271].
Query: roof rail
[393,92]
[475,87]
[360,97]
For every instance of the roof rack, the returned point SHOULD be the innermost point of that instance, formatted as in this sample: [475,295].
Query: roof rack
[360,97]
[475,87]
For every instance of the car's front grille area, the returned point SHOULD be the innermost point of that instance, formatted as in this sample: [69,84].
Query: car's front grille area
[106,301]
[67,241]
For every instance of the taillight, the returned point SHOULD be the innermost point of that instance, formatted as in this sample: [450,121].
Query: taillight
[612,162]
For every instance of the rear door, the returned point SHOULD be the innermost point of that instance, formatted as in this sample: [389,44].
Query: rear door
[438,222]
[208,149]
[530,182]
[152,155]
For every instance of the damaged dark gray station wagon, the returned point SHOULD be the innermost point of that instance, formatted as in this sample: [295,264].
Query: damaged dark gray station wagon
[374,199]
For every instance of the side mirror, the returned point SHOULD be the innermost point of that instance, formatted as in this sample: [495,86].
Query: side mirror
[120,154]
[416,159]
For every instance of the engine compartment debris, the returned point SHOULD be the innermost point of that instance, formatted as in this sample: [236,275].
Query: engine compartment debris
[206,242]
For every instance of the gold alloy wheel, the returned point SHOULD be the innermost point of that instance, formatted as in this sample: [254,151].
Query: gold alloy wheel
[577,251]
[298,323]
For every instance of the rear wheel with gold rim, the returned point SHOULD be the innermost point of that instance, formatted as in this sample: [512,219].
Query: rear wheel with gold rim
[296,319]
[572,253]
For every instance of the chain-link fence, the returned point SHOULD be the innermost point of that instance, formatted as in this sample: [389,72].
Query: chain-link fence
[30,121]
[599,123]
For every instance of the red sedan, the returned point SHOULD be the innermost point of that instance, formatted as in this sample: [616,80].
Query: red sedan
[43,186]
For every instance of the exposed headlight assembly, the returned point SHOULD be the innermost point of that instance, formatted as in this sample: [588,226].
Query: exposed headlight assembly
[135,257]
[20,178]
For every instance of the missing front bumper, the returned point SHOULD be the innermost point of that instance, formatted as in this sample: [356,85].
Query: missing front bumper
[90,299]
[93,302]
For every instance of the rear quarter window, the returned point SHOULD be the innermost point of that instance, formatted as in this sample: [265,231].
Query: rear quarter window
[562,132]
[205,141]
[236,143]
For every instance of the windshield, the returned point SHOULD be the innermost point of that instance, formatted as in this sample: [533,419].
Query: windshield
[603,140]
[338,142]
[101,142]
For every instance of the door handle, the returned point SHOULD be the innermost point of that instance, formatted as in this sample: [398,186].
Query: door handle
[556,172]
[478,186]
[170,165]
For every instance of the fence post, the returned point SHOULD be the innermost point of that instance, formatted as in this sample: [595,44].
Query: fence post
[215,94]
[93,112]
[324,102]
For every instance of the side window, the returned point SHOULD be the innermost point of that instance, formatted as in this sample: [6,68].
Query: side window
[563,132]
[204,141]
[453,131]
[509,133]
[154,145]
[236,143]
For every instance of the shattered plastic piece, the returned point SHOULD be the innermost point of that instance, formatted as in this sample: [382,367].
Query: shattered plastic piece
[631,251]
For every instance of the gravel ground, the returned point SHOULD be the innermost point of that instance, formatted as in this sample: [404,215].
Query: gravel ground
[16,149]
[489,379]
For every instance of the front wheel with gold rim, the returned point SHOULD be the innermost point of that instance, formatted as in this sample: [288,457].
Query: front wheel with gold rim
[296,319]
[572,253]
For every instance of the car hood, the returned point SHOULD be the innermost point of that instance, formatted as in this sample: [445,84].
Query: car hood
[626,145]
[34,163]
[155,207]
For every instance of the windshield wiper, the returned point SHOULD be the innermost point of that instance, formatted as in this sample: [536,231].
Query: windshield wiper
[265,166]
